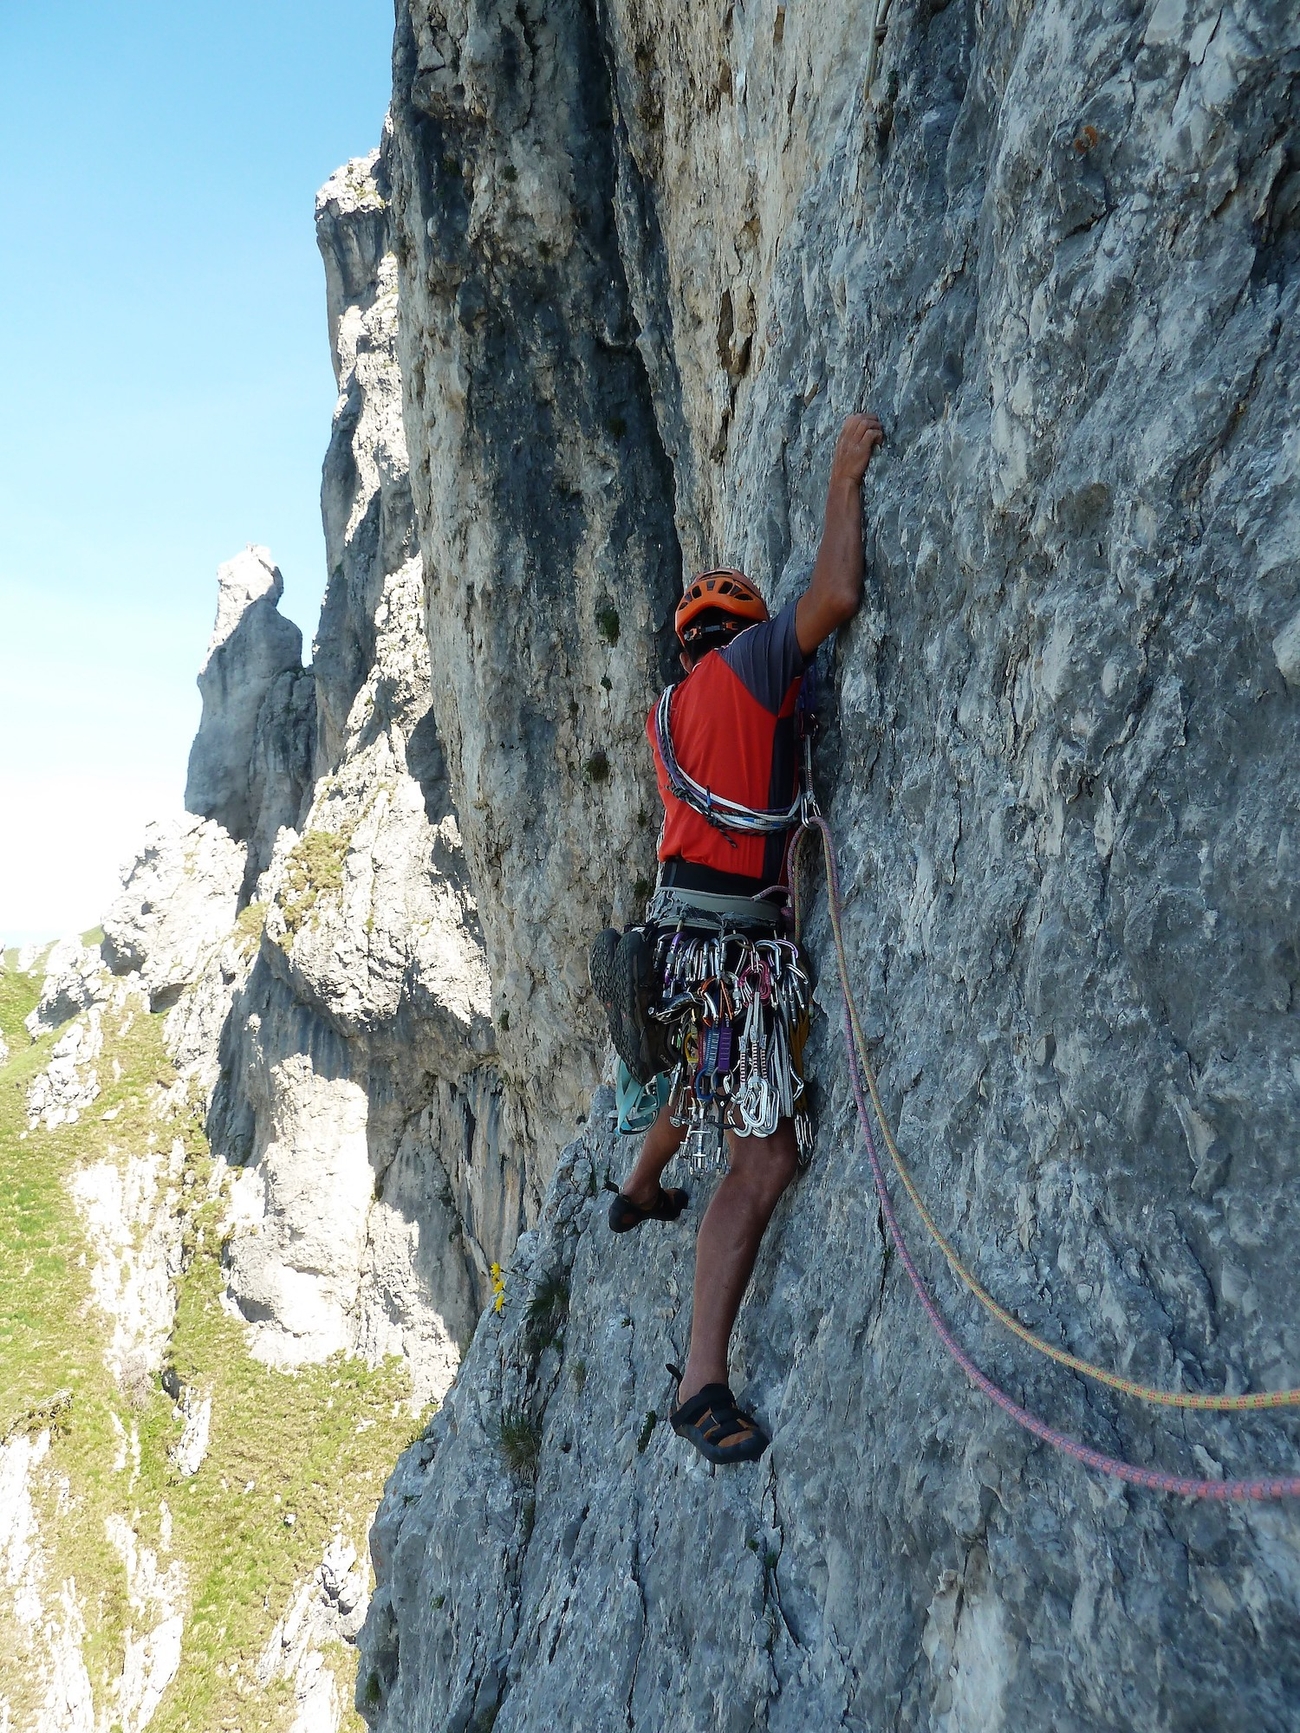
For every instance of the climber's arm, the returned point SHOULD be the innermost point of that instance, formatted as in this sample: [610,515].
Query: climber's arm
[835,590]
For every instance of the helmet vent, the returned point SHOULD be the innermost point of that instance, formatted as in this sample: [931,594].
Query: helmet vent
[725,589]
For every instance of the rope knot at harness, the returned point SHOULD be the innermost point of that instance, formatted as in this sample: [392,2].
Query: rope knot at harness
[1263,1487]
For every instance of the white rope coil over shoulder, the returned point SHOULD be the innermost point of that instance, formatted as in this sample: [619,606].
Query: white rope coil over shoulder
[720,812]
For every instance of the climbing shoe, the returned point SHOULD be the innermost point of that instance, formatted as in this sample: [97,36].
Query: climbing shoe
[720,1430]
[621,967]
[633,987]
[600,966]
[625,1215]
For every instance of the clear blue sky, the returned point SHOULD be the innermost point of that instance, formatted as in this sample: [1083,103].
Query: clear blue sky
[167,386]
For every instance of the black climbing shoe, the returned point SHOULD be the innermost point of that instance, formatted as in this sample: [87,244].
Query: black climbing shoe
[717,1428]
[633,988]
[625,1215]
[600,966]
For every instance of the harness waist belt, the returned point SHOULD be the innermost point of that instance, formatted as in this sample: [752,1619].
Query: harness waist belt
[671,907]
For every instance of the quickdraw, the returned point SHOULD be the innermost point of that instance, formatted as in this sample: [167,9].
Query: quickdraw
[735,1007]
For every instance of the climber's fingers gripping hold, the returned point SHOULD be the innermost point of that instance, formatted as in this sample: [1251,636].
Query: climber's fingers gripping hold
[859,437]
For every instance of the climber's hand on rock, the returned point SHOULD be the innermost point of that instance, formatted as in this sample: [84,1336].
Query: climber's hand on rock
[859,437]
[835,589]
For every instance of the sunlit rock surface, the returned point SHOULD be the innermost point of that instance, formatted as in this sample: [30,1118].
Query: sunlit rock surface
[597,307]
[649,257]
[355,1084]
[179,899]
[250,763]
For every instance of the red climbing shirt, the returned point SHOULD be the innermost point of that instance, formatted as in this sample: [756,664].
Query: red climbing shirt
[732,724]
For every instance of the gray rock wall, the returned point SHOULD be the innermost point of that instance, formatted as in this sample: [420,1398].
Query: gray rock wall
[1056,249]
[544,502]
[250,763]
[357,1086]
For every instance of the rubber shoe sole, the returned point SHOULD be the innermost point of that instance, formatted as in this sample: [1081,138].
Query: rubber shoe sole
[600,965]
[632,986]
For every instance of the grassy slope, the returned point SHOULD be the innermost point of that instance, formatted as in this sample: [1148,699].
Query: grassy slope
[317,1444]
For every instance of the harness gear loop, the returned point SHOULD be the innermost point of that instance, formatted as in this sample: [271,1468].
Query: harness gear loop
[1283,1486]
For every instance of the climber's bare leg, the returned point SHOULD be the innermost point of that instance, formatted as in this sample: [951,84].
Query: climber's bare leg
[661,1144]
[729,1238]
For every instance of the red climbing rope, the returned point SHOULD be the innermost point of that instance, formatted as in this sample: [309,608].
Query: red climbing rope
[1284,1486]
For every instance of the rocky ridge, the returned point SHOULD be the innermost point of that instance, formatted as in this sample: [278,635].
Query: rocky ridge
[309,933]
[250,763]
[312,927]
[145,1459]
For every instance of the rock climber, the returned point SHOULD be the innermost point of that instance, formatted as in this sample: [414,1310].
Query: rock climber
[728,732]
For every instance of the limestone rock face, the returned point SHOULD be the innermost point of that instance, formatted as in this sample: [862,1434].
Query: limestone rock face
[1056,249]
[69,1084]
[328,1607]
[74,980]
[312,925]
[134,1227]
[365,491]
[355,1079]
[544,502]
[251,758]
[179,898]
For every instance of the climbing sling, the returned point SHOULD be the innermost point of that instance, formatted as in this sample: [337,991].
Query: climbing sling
[715,809]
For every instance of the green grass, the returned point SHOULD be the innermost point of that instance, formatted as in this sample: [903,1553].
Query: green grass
[248,928]
[318,1443]
[548,1312]
[18,996]
[521,1444]
[314,868]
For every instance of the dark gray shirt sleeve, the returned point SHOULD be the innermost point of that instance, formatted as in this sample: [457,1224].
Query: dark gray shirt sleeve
[767,658]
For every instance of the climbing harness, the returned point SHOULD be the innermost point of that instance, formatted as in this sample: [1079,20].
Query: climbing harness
[733,997]
[733,1007]
[1285,1486]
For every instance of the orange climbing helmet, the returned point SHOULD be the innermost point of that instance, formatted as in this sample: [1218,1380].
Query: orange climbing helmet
[721,591]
